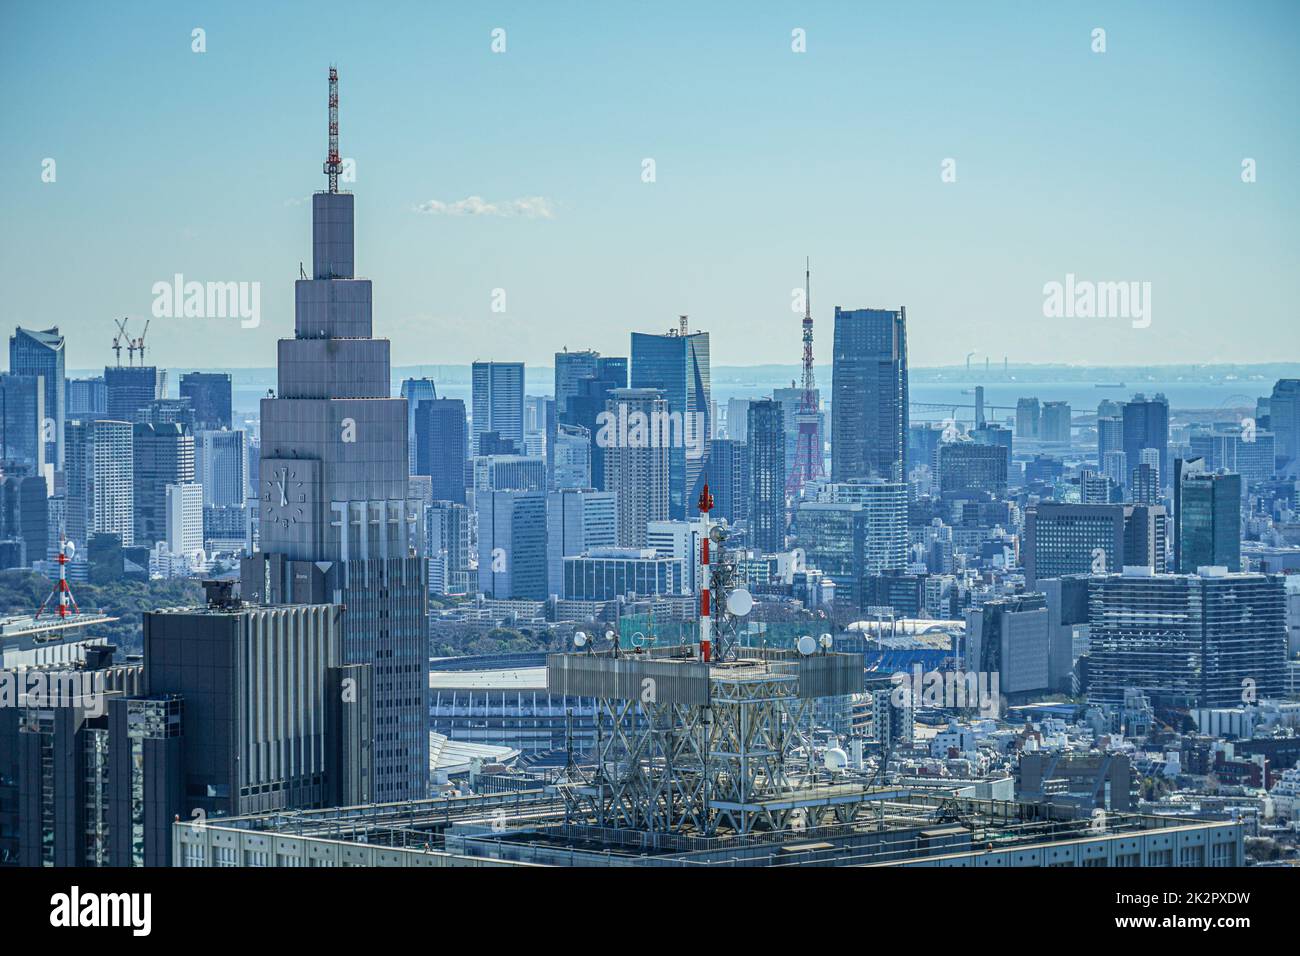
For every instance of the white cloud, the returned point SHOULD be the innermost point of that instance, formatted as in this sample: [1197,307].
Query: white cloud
[530,207]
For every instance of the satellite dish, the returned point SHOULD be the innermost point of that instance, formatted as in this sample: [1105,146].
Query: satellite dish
[806,645]
[640,640]
[69,549]
[826,642]
[579,639]
[609,635]
[717,534]
[740,602]
[835,759]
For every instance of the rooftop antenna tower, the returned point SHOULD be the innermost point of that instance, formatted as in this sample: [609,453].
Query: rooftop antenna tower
[808,451]
[332,162]
[61,590]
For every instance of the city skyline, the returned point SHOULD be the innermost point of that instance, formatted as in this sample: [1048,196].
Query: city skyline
[500,555]
[455,224]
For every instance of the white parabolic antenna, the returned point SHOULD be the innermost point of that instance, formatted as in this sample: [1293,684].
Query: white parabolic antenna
[835,759]
[807,645]
[740,602]
[579,639]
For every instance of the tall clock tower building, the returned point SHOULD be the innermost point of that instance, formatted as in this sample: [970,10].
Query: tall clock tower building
[336,522]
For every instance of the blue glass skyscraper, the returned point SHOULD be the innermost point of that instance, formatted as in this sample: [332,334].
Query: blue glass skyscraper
[677,363]
[869,411]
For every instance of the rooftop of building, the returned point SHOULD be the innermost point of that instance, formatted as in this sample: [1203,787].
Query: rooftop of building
[895,827]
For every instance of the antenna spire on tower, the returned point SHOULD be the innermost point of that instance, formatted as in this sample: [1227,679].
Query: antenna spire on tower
[332,161]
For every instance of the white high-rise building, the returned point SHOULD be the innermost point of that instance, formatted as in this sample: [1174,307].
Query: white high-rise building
[185,517]
[679,540]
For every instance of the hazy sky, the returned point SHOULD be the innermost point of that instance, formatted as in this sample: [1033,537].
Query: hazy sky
[523,171]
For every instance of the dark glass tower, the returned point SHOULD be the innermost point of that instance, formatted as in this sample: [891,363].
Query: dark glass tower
[337,525]
[1146,425]
[41,353]
[440,447]
[869,395]
[585,398]
[766,431]
[210,397]
[1209,521]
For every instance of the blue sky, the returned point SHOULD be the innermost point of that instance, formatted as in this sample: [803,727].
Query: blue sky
[1120,166]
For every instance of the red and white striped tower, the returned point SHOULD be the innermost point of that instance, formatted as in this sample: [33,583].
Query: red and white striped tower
[706,620]
[61,589]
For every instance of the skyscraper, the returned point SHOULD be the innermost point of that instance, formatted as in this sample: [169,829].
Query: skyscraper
[498,402]
[869,412]
[22,413]
[677,363]
[100,480]
[415,391]
[729,479]
[1209,521]
[1284,420]
[585,400]
[210,397]
[1055,423]
[1146,425]
[163,455]
[570,455]
[512,544]
[637,467]
[129,388]
[767,439]
[221,467]
[570,370]
[87,398]
[337,524]
[1028,418]
[440,446]
[41,353]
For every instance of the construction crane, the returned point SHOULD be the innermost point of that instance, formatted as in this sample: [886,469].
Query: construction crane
[117,340]
[139,343]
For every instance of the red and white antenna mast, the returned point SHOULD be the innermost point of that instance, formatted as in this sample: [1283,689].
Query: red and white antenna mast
[808,451]
[705,505]
[332,162]
[61,589]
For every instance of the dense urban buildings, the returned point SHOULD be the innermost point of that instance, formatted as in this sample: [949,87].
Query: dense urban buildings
[639,612]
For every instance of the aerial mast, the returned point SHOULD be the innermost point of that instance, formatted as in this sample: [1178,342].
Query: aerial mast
[332,161]
[808,451]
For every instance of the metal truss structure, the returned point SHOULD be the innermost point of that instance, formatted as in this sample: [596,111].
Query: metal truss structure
[704,751]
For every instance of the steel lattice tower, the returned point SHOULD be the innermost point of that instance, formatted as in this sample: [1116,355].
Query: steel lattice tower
[808,450]
[332,161]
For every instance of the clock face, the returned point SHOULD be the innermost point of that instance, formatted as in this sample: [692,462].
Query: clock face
[284,497]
